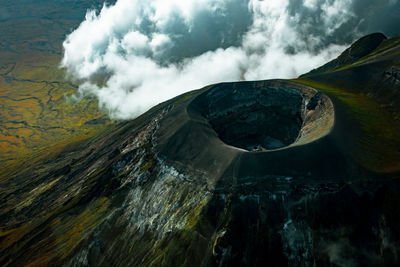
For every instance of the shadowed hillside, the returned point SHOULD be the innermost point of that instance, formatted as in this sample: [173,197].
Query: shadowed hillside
[368,86]
[264,173]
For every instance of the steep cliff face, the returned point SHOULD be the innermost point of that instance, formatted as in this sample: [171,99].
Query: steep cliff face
[253,173]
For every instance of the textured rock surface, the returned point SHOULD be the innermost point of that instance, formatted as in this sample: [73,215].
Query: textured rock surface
[247,119]
[171,188]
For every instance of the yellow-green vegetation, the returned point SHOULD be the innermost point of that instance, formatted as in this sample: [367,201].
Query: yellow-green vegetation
[187,95]
[25,158]
[383,49]
[70,232]
[10,236]
[380,135]
[34,114]
[66,233]
[217,237]
[194,214]
[147,165]
[34,108]
[183,98]
[42,188]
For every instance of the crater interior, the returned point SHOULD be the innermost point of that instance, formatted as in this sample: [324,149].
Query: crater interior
[263,119]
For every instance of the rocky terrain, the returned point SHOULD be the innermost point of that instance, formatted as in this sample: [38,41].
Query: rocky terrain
[277,173]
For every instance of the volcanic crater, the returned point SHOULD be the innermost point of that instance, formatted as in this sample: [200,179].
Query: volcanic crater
[251,129]
[272,116]
[257,173]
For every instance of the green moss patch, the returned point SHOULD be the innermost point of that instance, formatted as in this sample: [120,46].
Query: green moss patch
[380,140]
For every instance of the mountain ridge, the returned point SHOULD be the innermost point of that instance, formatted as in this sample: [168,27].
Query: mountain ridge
[184,185]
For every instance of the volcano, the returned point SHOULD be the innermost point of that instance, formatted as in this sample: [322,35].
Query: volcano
[265,173]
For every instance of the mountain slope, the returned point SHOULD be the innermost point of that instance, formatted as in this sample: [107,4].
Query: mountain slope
[276,173]
[361,48]
[376,73]
[369,88]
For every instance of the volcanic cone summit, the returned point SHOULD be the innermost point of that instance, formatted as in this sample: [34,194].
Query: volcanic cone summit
[264,118]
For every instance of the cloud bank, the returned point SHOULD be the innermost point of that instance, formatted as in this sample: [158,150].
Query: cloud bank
[134,54]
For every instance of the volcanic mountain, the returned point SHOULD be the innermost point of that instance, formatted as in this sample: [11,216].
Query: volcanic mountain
[279,172]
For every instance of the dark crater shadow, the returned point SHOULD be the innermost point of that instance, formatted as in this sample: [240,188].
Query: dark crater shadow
[255,120]
[268,124]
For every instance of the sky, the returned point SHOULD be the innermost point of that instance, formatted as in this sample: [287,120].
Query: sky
[134,54]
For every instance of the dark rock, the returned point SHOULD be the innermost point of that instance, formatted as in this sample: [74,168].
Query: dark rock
[264,173]
[356,51]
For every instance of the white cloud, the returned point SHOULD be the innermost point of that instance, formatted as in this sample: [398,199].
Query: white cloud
[312,4]
[134,42]
[336,14]
[135,54]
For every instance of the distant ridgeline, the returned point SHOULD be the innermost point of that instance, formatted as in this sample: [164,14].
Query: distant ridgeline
[370,66]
